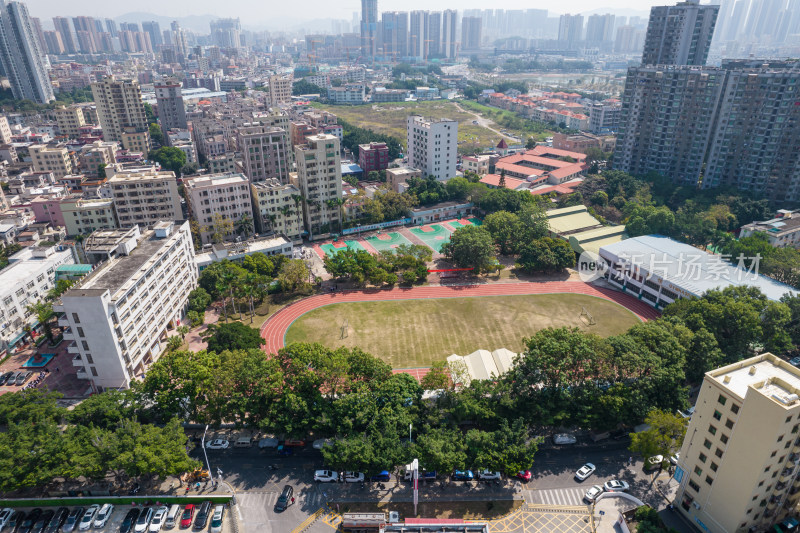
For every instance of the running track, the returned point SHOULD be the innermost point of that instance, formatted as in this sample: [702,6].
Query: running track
[274,330]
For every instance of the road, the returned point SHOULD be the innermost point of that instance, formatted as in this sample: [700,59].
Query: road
[257,484]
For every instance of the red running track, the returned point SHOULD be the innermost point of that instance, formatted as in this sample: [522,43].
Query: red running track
[274,330]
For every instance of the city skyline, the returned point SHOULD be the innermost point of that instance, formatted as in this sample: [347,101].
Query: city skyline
[317,9]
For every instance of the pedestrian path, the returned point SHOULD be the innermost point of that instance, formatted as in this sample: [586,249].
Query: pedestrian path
[267,499]
[568,497]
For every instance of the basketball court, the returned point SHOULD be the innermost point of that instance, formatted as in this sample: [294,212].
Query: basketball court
[333,247]
[460,223]
[433,235]
[387,241]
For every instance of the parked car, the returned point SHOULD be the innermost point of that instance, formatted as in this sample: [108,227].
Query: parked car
[201,518]
[216,519]
[129,521]
[5,377]
[268,442]
[321,443]
[616,485]
[158,519]
[27,524]
[11,378]
[585,471]
[326,476]
[675,458]
[463,475]
[794,361]
[383,475]
[23,377]
[103,515]
[488,475]
[654,462]
[524,475]
[58,520]
[186,517]
[593,492]
[72,520]
[5,516]
[88,517]
[143,522]
[40,524]
[353,477]
[284,499]
[564,438]
[297,443]
[16,520]
[423,475]
[218,444]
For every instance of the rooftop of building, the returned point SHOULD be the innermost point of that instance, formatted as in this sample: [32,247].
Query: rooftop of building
[232,250]
[22,262]
[215,180]
[114,273]
[690,268]
[766,373]
[787,221]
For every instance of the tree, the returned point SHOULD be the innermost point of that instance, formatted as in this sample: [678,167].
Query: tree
[302,87]
[232,336]
[59,288]
[663,437]
[441,449]
[244,226]
[169,158]
[258,263]
[293,276]
[508,449]
[199,300]
[44,314]
[220,228]
[507,231]
[530,143]
[471,247]
[156,135]
[174,343]
[546,255]
[437,378]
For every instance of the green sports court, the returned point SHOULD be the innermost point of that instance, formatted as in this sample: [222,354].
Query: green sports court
[333,247]
[387,241]
[433,235]
[460,223]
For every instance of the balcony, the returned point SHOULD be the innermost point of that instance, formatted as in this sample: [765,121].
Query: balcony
[69,335]
[59,308]
[73,348]
[63,321]
[77,361]
[786,475]
[81,374]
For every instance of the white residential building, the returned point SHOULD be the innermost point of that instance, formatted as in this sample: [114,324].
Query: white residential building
[319,178]
[277,209]
[118,316]
[433,146]
[347,94]
[25,281]
[226,195]
[143,195]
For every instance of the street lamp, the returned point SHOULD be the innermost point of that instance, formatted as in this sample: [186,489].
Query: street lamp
[203,444]
[409,432]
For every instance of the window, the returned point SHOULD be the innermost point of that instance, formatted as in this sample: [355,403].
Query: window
[89,358]
[703,458]
[717,415]
[774,453]
[75,318]
[718,453]
[714,466]
[94,371]
[712,430]
[735,408]
[780,438]
[722,399]
[698,470]
[694,485]
[80,331]
[85,345]
[723,438]
[709,480]
[707,444]
[767,469]
[729,425]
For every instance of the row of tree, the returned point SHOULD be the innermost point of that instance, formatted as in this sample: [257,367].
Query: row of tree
[408,263]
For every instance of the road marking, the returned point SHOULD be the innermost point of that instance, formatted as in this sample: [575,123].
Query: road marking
[308,521]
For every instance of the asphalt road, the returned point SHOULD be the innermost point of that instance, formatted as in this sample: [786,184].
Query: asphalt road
[257,484]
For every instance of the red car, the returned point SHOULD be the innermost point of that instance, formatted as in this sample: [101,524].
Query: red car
[186,517]
[524,475]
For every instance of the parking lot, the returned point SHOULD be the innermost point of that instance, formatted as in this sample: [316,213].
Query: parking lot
[114,522]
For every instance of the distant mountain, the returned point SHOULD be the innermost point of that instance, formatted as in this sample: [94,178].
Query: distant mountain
[196,23]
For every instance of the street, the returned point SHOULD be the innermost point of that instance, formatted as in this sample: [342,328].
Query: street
[250,472]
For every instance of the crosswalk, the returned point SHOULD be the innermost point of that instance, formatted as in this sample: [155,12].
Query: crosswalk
[566,497]
[266,500]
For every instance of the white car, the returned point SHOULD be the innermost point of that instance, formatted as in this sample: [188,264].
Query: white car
[564,438]
[488,475]
[674,459]
[218,444]
[615,485]
[593,492]
[326,476]
[103,515]
[353,477]
[5,516]
[321,443]
[268,442]
[158,519]
[585,471]
[88,517]
[654,461]
[143,521]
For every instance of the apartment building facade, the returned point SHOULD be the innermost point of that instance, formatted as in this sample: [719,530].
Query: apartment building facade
[432,146]
[25,281]
[70,120]
[92,156]
[680,34]
[277,209]
[119,108]
[51,158]
[171,110]
[319,178]
[82,216]
[265,152]
[143,196]
[219,195]
[119,315]
[280,89]
[739,463]
[373,156]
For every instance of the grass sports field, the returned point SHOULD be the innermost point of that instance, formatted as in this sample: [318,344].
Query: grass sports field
[414,333]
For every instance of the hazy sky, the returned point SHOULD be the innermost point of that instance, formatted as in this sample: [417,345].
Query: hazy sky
[260,11]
